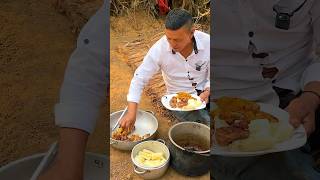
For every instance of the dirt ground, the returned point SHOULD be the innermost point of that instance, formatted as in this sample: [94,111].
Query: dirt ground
[123,30]
[35,45]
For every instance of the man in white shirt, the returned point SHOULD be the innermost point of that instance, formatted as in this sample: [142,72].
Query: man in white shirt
[183,56]
[265,51]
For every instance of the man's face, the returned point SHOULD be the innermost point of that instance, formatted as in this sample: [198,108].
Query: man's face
[180,38]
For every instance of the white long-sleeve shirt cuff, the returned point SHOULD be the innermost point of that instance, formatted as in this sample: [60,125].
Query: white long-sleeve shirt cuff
[312,73]
[79,116]
[207,85]
[135,91]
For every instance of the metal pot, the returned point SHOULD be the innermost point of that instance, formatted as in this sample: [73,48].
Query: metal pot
[190,148]
[146,123]
[148,172]
[94,167]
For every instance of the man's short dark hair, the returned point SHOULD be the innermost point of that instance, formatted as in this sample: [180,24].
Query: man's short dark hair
[177,18]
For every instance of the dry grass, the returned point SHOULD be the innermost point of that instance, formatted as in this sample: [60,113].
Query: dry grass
[199,9]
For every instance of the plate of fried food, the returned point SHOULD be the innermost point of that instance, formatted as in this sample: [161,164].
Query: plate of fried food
[246,128]
[182,101]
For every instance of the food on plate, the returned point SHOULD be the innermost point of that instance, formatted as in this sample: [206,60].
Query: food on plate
[241,125]
[124,135]
[281,131]
[184,100]
[226,135]
[231,109]
[237,104]
[263,135]
[184,95]
[192,104]
[264,115]
[149,158]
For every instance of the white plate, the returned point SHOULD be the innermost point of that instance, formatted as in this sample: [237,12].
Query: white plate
[165,100]
[297,140]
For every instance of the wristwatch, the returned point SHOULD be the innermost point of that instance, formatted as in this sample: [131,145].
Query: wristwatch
[206,89]
[312,92]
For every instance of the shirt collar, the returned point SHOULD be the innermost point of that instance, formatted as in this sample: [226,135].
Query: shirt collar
[199,44]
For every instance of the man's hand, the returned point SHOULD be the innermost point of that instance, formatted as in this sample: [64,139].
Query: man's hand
[69,162]
[302,111]
[204,96]
[128,120]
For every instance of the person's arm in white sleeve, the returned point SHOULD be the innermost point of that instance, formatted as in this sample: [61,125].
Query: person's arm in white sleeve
[312,73]
[302,109]
[311,76]
[83,91]
[206,89]
[142,75]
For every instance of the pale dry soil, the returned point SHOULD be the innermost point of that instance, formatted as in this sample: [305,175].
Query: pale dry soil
[35,44]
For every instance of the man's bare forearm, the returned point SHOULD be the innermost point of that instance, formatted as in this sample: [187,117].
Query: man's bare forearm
[69,161]
[72,146]
[313,86]
[132,108]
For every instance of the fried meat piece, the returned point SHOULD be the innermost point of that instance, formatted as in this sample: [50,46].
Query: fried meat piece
[242,124]
[173,102]
[120,134]
[182,103]
[230,116]
[226,135]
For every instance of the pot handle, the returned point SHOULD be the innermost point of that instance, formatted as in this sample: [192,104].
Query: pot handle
[112,142]
[162,141]
[206,154]
[139,172]
[151,112]
[201,154]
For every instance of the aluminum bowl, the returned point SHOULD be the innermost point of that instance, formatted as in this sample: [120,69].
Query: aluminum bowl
[146,123]
[151,172]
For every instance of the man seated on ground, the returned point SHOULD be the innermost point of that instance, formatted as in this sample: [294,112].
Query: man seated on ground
[183,56]
[257,56]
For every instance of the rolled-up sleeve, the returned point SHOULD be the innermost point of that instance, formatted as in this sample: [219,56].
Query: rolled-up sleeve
[143,73]
[85,82]
[312,72]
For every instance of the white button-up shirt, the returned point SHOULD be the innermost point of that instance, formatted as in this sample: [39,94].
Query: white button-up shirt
[85,83]
[177,71]
[237,73]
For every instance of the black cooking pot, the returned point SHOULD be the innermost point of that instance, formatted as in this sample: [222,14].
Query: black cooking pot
[190,148]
